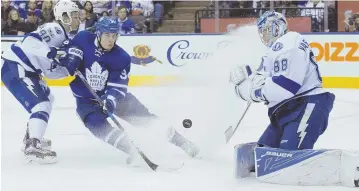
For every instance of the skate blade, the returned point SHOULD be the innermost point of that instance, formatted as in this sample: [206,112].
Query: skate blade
[44,161]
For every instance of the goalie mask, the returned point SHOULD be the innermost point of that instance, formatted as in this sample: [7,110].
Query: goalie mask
[271,25]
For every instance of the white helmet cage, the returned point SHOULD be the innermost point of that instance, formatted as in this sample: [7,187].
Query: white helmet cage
[65,6]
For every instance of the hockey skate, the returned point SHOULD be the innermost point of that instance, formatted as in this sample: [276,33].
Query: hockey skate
[180,141]
[34,153]
[45,143]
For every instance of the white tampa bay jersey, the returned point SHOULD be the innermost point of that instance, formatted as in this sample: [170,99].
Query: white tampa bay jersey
[31,52]
[291,69]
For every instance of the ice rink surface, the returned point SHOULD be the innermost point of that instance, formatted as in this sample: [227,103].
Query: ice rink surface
[86,163]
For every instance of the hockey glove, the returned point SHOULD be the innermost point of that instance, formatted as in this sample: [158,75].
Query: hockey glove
[72,60]
[251,89]
[239,74]
[52,54]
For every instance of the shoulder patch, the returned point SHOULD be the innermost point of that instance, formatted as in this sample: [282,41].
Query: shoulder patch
[277,46]
[58,30]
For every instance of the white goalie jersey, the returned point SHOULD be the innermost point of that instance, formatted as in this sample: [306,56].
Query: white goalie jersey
[291,69]
[31,52]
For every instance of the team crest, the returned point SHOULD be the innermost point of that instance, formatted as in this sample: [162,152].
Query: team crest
[142,55]
[277,46]
[96,77]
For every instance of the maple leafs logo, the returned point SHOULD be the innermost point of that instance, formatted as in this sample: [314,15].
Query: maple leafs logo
[96,77]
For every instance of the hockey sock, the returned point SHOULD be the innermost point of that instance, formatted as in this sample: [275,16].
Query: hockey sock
[38,120]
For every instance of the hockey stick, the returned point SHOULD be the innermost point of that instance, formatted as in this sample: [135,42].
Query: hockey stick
[152,165]
[230,131]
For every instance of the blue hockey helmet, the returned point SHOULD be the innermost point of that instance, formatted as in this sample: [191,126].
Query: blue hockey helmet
[108,25]
[271,25]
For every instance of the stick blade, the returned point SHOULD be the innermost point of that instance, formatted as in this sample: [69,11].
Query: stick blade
[172,168]
[228,134]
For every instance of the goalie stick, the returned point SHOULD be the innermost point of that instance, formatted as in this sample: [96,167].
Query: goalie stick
[153,166]
[230,131]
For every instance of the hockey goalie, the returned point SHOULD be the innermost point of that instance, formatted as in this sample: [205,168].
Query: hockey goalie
[289,82]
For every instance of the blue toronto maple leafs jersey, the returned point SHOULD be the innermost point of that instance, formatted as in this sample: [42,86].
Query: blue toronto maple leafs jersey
[105,71]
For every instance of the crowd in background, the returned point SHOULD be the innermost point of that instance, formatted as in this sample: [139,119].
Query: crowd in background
[21,17]
[313,8]
[143,16]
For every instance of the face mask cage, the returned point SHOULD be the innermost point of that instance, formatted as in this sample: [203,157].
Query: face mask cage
[70,19]
[269,32]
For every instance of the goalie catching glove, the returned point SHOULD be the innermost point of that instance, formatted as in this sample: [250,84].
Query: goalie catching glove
[248,85]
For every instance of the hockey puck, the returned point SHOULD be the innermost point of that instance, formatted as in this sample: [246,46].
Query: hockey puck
[187,123]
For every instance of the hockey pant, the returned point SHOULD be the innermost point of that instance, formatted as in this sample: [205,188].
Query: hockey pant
[298,123]
[33,94]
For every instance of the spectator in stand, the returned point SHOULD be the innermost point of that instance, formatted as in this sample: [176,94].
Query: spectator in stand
[5,9]
[127,26]
[13,23]
[19,4]
[78,3]
[31,22]
[47,12]
[100,6]
[158,14]
[352,22]
[31,6]
[38,16]
[332,17]
[288,9]
[244,11]
[21,7]
[104,13]
[143,8]
[356,22]
[317,14]
[84,22]
[90,15]
[126,3]
[29,25]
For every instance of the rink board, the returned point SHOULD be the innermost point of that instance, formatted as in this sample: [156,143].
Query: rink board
[159,59]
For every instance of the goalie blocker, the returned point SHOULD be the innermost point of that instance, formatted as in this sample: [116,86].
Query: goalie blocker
[308,167]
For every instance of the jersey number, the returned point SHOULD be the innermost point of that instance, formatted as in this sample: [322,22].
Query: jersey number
[123,75]
[46,34]
[280,66]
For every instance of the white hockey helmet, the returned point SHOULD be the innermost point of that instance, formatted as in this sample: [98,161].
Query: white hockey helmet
[65,7]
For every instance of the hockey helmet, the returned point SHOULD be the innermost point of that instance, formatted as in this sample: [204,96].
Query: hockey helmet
[65,7]
[271,25]
[108,25]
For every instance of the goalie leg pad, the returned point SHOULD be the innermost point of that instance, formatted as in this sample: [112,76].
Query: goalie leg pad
[307,167]
[244,157]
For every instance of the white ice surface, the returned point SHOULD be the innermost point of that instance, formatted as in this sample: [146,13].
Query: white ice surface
[88,164]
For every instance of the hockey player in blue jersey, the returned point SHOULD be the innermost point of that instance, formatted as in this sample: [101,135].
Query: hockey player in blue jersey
[25,64]
[106,67]
[289,82]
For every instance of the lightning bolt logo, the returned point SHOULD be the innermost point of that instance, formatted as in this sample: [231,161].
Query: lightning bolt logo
[30,85]
[304,122]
